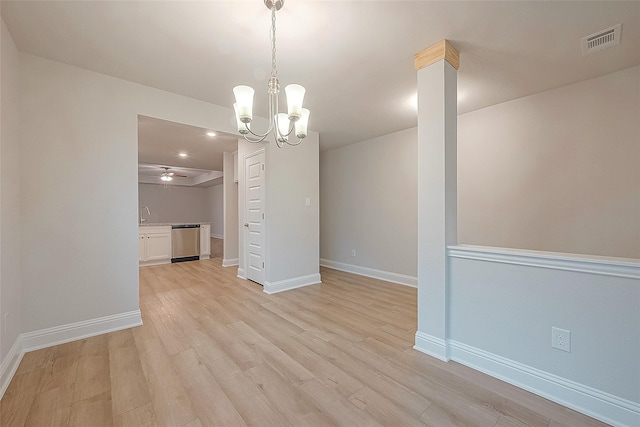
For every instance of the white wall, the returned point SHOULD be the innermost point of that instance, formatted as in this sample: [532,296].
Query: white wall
[557,171]
[293,229]
[292,239]
[368,194]
[548,172]
[80,228]
[175,203]
[215,204]
[10,221]
[503,304]
[230,213]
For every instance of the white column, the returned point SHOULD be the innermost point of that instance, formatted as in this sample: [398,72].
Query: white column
[437,192]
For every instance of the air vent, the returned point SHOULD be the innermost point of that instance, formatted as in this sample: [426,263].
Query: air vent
[601,40]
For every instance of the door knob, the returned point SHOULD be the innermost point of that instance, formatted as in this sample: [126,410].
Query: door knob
[246,224]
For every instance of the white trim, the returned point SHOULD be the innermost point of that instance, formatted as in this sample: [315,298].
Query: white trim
[241,274]
[433,346]
[388,276]
[10,364]
[205,256]
[154,262]
[217,236]
[79,330]
[587,400]
[606,266]
[229,262]
[296,282]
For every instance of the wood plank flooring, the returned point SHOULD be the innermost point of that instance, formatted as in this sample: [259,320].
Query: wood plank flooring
[215,350]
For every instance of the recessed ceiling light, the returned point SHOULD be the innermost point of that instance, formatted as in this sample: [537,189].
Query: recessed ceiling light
[211,133]
[182,154]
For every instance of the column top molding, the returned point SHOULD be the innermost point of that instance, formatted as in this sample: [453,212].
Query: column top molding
[441,50]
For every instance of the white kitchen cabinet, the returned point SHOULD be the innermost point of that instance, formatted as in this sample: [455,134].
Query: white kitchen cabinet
[154,245]
[205,241]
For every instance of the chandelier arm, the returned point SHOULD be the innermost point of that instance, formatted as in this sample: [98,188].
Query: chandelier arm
[259,138]
[261,135]
[293,144]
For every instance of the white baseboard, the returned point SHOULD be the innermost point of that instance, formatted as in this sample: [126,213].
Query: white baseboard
[241,274]
[433,346]
[154,262]
[10,364]
[388,276]
[79,330]
[296,282]
[587,400]
[59,335]
[217,236]
[230,262]
[205,256]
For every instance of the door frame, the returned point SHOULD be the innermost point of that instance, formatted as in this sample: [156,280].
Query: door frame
[244,230]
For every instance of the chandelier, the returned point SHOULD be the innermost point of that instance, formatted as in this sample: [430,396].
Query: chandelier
[283,125]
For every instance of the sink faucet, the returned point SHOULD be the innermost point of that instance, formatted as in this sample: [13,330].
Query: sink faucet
[142,218]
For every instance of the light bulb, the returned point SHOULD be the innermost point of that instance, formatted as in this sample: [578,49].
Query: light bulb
[243,128]
[283,126]
[295,96]
[244,99]
[302,124]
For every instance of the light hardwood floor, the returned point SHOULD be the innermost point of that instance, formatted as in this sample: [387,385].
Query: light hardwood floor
[215,350]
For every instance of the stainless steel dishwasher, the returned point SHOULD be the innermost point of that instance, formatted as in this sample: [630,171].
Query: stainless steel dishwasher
[185,242]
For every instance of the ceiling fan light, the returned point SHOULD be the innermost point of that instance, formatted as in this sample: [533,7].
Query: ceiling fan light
[302,124]
[244,99]
[295,96]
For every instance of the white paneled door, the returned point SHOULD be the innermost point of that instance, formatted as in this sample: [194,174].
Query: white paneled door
[254,216]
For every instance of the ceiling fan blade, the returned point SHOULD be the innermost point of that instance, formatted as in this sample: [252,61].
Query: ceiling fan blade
[179,176]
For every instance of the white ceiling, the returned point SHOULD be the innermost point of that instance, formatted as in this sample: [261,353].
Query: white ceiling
[354,57]
[160,143]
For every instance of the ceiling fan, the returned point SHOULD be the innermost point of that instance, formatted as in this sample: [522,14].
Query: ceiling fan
[168,176]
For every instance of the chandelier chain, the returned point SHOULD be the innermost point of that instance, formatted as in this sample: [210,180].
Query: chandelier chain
[274,68]
[294,116]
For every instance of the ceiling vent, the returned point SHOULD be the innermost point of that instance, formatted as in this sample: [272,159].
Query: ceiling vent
[601,40]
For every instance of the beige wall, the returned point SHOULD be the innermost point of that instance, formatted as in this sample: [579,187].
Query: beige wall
[368,202]
[215,207]
[557,171]
[79,230]
[291,228]
[230,212]
[10,219]
[175,203]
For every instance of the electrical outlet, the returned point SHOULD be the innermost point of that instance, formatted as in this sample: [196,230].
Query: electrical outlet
[561,339]
[353,252]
